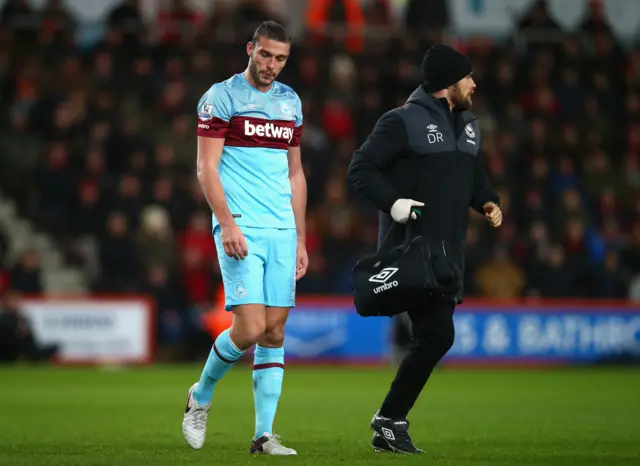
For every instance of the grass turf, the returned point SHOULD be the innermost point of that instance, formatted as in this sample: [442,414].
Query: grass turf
[132,417]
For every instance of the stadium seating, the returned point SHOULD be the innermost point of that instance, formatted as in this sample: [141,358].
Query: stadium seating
[98,147]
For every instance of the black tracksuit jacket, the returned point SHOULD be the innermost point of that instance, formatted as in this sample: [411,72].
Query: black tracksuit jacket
[425,152]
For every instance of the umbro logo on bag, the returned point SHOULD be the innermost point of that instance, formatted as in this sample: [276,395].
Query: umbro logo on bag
[382,277]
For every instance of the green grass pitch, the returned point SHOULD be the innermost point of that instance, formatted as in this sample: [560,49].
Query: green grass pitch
[582,417]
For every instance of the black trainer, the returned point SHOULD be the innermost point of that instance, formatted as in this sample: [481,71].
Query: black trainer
[392,435]
[380,444]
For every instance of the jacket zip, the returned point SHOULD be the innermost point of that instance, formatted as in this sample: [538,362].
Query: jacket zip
[426,262]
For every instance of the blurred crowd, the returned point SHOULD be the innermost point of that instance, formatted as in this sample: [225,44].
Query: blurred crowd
[98,147]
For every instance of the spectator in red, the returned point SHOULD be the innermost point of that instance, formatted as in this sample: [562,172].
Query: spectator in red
[56,18]
[197,237]
[196,277]
[176,19]
[198,256]
[337,120]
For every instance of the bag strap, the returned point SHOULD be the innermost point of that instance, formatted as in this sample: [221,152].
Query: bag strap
[409,230]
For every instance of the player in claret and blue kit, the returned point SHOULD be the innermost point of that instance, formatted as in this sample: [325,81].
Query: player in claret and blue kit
[250,171]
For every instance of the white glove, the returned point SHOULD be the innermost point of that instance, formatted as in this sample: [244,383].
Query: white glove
[401,210]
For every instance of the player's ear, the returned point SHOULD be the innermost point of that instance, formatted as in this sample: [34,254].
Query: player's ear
[249,48]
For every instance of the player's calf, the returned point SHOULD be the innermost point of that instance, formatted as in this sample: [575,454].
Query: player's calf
[268,372]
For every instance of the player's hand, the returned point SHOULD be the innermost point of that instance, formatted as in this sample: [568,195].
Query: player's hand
[493,214]
[401,210]
[234,242]
[302,260]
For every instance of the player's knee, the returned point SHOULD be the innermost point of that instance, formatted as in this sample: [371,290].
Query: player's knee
[273,337]
[248,332]
[255,332]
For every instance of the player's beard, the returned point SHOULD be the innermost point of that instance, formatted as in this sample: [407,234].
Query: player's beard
[255,74]
[459,100]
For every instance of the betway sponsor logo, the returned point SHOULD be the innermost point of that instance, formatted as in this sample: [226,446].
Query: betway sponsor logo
[268,130]
[386,286]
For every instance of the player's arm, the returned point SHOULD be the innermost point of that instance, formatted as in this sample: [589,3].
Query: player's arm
[213,121]
[386,142]
[298,190]
[296,176]
[298,194]
[209,155]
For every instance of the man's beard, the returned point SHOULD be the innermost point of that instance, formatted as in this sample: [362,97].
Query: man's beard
[458,100]
[253,70]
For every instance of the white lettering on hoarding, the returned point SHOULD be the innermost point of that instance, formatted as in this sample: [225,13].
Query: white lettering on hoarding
[572,334]
[466,339]
[497,337]
[93,330]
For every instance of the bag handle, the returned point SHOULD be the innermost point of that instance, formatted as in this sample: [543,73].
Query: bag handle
[408,234]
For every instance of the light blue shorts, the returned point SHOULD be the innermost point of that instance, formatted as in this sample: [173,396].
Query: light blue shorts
[267,275]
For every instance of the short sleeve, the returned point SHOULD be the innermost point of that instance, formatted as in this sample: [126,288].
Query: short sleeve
[297,128]
[214,112]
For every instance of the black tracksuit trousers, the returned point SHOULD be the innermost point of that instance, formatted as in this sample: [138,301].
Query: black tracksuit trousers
[432,337]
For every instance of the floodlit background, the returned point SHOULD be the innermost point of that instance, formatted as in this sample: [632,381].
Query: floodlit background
[107,257]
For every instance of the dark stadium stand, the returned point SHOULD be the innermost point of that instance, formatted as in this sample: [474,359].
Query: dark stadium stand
[98,146]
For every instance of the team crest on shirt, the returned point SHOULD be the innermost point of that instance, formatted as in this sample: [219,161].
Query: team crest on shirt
[285,109]
[206,112]
[470,131]
[240,289]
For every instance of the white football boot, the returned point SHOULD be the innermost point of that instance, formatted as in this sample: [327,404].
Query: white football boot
[270,444]
[194,423]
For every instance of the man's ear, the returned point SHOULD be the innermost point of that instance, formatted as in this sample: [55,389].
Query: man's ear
[249,48]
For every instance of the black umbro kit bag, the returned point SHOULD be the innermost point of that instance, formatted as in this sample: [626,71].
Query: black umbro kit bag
[396,280]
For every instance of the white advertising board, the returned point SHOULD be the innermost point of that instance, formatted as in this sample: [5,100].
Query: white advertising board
[94,331]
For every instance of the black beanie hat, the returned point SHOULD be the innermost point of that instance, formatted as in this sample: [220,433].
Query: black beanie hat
[442,67]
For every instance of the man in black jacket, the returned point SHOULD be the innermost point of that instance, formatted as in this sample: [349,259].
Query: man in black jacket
[425,155]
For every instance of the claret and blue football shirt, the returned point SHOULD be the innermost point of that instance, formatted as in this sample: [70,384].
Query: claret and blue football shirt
[258,128]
